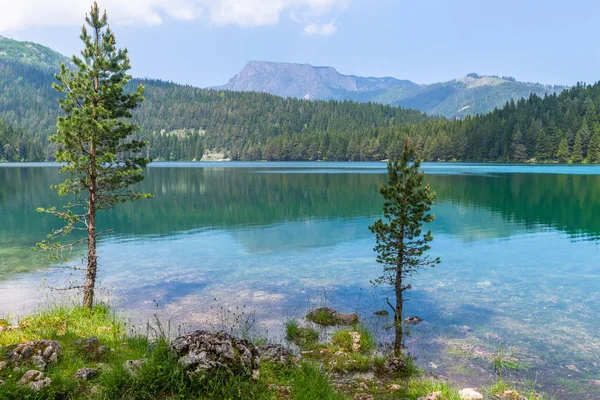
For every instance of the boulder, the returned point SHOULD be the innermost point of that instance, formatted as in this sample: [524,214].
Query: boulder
[277,354]
[328,316]
[35,380]
[412,320]
[91,348]
[470,394]
[38,353]
[86,374]
[431,396]
[202,351]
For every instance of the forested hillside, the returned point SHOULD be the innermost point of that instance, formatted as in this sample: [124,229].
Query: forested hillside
[557,128]
[182,123]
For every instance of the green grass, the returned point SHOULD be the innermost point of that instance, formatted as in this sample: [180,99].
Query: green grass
[502,363]
[500,386]
[422,387]
[303,337]
[160,377]
[344,340]
[355,362]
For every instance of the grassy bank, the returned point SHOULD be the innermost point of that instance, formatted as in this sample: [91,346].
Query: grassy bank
[330,370]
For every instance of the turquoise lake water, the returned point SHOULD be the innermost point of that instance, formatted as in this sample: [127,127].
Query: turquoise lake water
[520,250]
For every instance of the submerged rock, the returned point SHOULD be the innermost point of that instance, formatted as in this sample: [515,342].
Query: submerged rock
[38,353]
[328,316]
[277,354]
[35,380]
[202,351]
[412,320]
[470,394]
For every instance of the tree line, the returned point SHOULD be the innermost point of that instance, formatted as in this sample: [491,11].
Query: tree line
[182,122]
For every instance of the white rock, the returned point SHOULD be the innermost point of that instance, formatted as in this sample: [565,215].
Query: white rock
[470,394]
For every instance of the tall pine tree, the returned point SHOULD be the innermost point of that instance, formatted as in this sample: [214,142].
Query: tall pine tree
[94,141]
[401,244]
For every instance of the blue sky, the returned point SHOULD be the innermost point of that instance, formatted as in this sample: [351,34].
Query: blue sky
[205,42]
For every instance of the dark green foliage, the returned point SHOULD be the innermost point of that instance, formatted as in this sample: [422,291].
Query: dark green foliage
[562,153]
[401,243]
[94,139]
[594,148]
[577,155]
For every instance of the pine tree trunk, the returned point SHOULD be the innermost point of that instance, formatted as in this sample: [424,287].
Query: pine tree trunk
[92,257]
[398,314]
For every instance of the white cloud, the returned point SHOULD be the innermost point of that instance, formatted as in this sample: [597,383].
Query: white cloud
[15,15]
[321,29]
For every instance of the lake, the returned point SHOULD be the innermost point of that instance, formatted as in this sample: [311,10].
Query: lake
[256,243]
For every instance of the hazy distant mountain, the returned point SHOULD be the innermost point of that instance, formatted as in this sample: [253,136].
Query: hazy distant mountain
[306,81]
[472,94]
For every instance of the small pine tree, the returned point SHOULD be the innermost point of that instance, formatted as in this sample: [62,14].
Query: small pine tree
[594,149]
[518,148]
[94,140]
[401,243]
[563,151]
[577,155]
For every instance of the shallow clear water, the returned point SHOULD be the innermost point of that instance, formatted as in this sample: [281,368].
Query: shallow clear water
[519,247]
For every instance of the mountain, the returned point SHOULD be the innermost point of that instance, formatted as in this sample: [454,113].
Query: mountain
[310,83]
[178,121]
[473,94]
[182,122]
[31,54]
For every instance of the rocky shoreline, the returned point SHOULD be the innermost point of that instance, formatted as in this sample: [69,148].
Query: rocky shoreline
[81,353]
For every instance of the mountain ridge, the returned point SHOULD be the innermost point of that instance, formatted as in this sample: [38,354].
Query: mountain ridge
[471,94]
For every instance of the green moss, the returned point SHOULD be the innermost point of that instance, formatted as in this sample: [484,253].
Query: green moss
[322,317]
